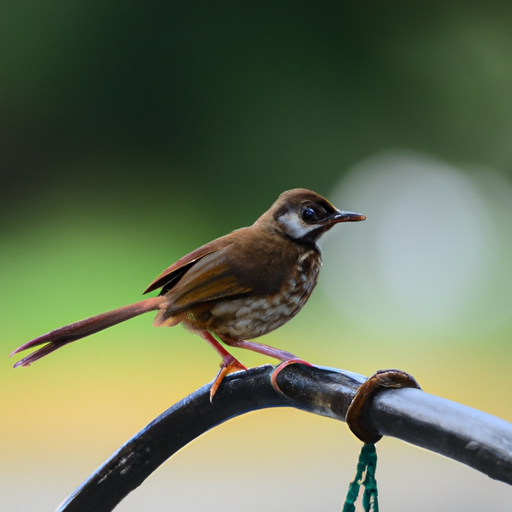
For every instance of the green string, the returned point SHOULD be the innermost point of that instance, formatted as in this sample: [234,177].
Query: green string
[366,465]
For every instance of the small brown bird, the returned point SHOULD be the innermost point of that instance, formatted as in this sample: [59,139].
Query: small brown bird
[237,287]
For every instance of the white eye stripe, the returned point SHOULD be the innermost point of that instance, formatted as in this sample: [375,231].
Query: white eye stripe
[294,226]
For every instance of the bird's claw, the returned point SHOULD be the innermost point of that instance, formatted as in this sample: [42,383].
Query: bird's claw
[228,365]
[282,366]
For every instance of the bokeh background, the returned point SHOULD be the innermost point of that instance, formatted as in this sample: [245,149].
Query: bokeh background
[133,132]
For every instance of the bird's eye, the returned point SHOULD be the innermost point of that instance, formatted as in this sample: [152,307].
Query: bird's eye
[308,214]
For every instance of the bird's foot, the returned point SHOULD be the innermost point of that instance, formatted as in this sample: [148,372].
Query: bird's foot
[282,366]
[229,365]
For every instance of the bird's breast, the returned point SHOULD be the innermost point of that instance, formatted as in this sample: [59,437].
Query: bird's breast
[260,313]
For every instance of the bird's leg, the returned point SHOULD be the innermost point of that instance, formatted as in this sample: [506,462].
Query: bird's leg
[229,363]
[276,353]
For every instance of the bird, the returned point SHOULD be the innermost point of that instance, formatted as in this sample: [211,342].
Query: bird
[233,289]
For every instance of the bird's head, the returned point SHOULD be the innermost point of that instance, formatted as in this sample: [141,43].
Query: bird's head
[304,216]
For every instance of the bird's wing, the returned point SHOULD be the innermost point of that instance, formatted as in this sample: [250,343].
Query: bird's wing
[211,278]
[170,277]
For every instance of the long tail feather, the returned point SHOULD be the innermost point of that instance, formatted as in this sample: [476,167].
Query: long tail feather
[73,332]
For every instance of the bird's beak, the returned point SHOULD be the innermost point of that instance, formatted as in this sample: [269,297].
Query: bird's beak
[342,216]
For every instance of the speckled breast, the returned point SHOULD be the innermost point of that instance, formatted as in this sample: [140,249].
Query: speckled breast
[253,316]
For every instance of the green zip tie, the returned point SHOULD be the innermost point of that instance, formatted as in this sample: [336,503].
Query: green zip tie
[366,465]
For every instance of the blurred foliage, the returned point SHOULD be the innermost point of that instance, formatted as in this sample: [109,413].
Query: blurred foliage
[232,103]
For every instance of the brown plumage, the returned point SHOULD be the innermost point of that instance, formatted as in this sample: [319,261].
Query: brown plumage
[237,287]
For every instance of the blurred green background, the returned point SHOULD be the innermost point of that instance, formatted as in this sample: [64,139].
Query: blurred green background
[131,133]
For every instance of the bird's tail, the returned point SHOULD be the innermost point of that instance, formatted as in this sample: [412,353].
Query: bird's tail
[69,333]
